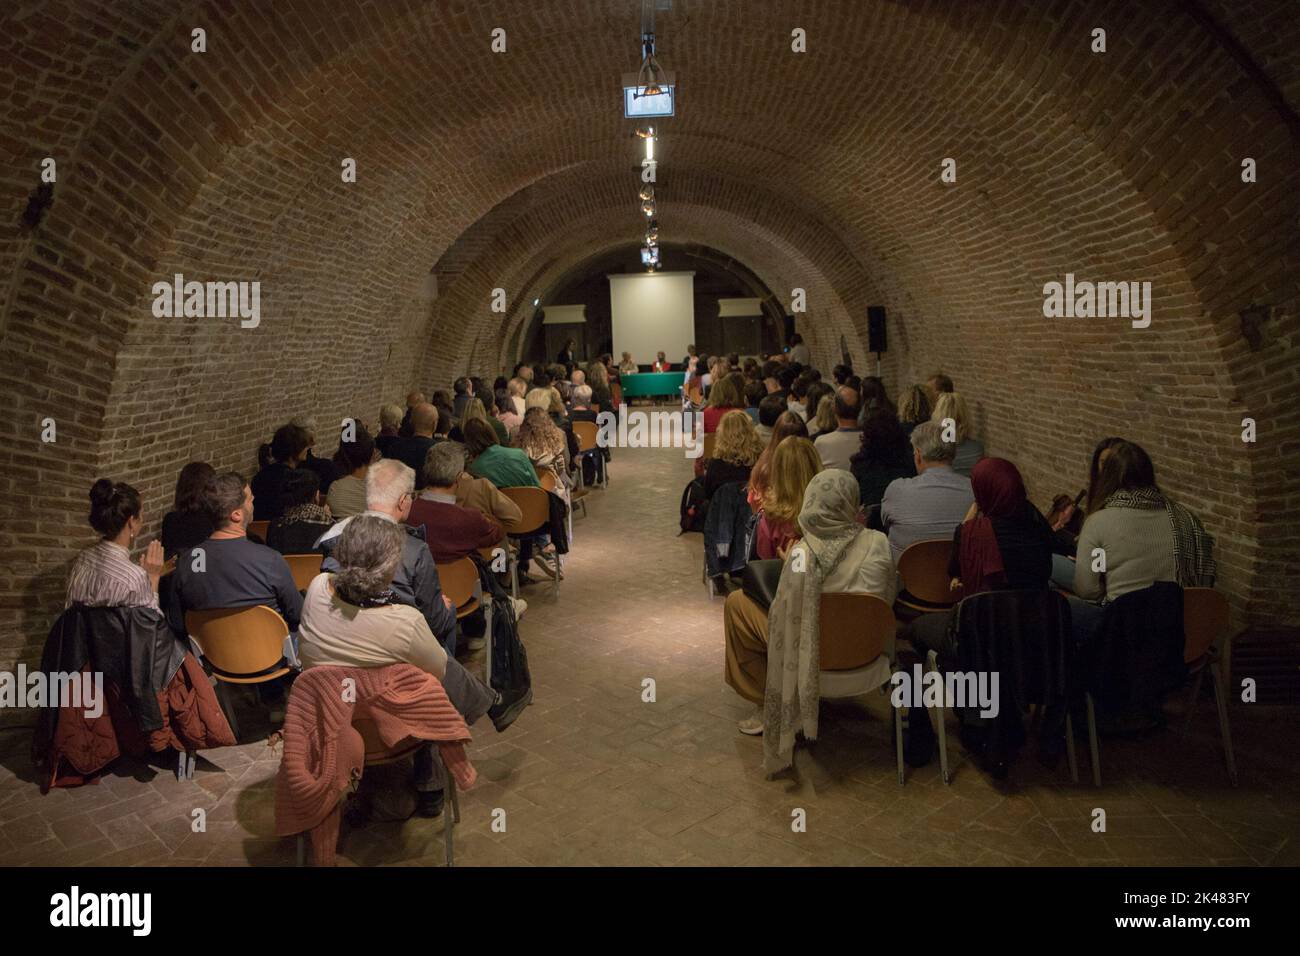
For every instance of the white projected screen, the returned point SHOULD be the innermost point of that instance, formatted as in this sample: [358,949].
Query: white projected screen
[651,313]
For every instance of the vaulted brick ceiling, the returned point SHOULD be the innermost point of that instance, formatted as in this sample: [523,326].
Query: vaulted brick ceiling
[817,170]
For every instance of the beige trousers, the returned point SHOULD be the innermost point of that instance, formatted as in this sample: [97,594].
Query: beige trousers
[745,626]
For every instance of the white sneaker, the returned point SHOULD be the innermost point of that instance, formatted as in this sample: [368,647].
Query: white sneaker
[752,726]
[520,606]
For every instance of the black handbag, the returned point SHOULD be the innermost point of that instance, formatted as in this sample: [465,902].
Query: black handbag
[759,581]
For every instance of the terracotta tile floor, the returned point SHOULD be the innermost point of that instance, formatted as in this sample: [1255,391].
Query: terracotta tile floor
[591,775]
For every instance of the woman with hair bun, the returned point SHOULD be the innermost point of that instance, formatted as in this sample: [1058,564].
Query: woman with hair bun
[103,575]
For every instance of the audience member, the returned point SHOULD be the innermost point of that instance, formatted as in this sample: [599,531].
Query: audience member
[835,554]
[325,469]
[798,393]
[231,571]
[464,389]
[451,530]
[288,450]
[411,450]
[414,398]
[302,519]
[770,408]
[390,491]
[736,449]
[885,456]
[798,351]
[785,425]
[352,618]
[505,467]
[1144,534]
[391,421]
[727,396]
[755,392]
[794,463]
[506,414]
[838,446]
[931,505]
[347,495]
[936,385]
[188,525]
[518,388]
[950,411]
[104,575]
[913,407]
[819,419]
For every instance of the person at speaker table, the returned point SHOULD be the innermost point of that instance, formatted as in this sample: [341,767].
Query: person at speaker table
[661,363]
[837,447]
[627,366]
[794,464]
[835,554]
[104,575]
[950,406]
[932,504]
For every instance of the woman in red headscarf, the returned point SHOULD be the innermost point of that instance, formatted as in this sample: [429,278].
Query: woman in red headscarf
[1004,544]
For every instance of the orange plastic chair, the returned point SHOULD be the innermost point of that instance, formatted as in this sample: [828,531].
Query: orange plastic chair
[855,630]
[305,567]
[923,568]
[535,504]
[241,646]
[1205,622]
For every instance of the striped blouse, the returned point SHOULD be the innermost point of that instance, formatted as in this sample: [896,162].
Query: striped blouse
[105,576]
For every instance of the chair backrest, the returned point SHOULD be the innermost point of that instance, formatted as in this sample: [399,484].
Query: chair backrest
[1205,619]
[458,580]
[709,441]
[1024,635]
[854,630]
[239,642]
[305,567]
[259,528]
[586,433]
[923,566]
[1137,653]
[545,477]
[376,752]
[535,504]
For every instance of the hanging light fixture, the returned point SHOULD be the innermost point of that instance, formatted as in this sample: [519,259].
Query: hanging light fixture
[651,78]
[647,193]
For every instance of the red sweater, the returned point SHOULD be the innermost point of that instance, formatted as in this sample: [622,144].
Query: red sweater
[452,531]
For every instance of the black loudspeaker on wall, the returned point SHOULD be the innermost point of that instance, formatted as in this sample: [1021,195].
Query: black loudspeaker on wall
[876,341]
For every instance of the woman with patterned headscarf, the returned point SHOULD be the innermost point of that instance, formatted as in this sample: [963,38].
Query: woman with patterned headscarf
[773,658]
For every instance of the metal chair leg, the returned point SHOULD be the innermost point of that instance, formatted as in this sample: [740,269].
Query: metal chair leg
[449,822]
[1092,741]
[1225,732]
[1195,696]
[302,849]
[487,639]
[514,575]
[898,743]
[932,659]
[1069,748]
[555,582]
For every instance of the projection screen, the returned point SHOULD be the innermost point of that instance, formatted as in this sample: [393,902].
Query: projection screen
[652,312]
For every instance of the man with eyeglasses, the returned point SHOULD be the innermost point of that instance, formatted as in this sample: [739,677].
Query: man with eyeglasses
[390,490]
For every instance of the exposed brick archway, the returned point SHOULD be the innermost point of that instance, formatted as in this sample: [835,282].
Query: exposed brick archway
[817,170]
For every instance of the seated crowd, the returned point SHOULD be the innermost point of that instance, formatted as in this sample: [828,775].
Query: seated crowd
[381,515]
[840,481]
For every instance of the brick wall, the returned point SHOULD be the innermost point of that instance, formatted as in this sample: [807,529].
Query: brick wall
[816,170]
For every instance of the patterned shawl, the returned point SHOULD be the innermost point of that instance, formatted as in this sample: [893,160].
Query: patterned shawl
[829,523]
[1193,545]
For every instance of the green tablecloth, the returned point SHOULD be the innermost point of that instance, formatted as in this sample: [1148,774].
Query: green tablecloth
[645,384]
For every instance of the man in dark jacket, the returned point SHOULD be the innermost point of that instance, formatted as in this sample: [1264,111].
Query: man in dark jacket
[390,489]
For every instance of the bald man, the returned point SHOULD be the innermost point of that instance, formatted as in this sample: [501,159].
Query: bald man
[412,449]
[413,398]
[837,447]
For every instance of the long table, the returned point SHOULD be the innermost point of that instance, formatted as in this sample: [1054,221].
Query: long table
[651,384]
